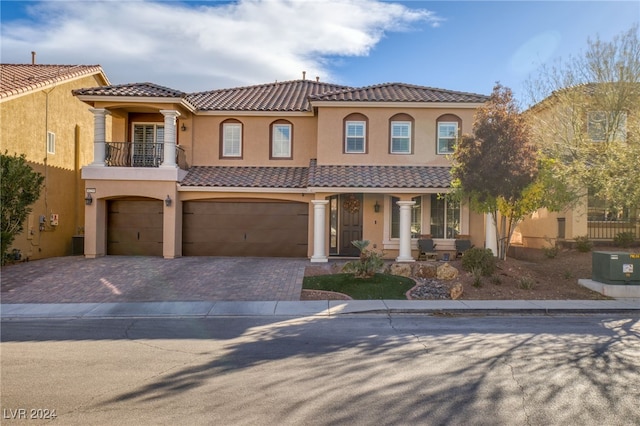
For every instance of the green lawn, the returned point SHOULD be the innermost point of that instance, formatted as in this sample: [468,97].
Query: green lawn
[380,286]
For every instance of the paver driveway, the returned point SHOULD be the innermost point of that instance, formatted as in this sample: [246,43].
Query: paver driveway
[74,279]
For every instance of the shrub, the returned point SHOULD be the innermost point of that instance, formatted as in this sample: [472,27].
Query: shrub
[477,257]
[525,282]
[496,280]
[583,244]
[624,239]
[550,252]
[477,276]
[367,265]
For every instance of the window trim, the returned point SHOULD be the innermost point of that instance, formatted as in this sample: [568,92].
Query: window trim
[233,122]
[447,119]
[356,118]
[272,127]
[51,142]
[404,119]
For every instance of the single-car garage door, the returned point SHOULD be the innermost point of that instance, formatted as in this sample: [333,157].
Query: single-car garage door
[245,228]
[134,227]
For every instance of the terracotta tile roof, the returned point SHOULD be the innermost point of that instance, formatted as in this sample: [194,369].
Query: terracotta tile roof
[247,177]
[22,78]
[133,89]
[278,96]
[328,176]
[348,176]
[399,92]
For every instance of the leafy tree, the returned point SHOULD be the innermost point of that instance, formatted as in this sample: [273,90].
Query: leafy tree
[586,119]
[19,188]
[497,166]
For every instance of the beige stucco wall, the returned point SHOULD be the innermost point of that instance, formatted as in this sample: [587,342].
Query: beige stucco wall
[24,123]
[331,135]
[205,139]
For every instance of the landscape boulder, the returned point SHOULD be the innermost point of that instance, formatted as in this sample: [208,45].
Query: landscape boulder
[456,291]
[402,269]
[446,272]
[426,270]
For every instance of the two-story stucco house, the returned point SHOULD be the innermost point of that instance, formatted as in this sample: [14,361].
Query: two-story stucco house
[40,117]
[582,119]
[296,168]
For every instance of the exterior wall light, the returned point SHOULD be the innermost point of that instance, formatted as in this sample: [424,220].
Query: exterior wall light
[88,199]
[183,127]
[376,207]
[167,201]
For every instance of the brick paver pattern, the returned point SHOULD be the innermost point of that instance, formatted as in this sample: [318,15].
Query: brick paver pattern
[74,279]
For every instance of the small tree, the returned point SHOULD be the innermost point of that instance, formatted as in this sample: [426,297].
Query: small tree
[367,265]
[497,167]
[20,187]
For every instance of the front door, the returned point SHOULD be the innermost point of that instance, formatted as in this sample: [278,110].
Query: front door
[350,206]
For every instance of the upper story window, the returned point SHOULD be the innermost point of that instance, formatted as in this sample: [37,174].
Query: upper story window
[448,127]
[281,139]
[51,143]
[606,126]
[401,134]
[355,134]
[231,132]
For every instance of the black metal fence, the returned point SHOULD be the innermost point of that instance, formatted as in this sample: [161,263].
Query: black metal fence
[129,154]
[607,230]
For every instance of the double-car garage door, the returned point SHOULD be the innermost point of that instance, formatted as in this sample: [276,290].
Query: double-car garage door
[211,228]
[245,228]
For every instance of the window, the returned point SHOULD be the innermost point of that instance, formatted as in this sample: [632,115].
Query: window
[355,136]
[447,136]
[51,143]
[281,140]
[445,217]
[401,137]
[232,139]
[416,217]
[606,127]
[148,140]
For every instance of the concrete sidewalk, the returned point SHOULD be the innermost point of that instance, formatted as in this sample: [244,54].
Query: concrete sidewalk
[319,308]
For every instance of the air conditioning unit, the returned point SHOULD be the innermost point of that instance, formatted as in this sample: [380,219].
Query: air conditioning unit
[615,267]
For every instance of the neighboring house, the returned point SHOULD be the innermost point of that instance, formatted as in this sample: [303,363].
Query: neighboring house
[40,117]
[572,115]
[295,169]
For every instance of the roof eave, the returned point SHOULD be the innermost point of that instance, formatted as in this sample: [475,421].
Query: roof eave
[404,104]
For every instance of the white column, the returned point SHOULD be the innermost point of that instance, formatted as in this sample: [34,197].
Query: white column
[490,238]
[99,126]
[405,232]
[170,117]
[319,209]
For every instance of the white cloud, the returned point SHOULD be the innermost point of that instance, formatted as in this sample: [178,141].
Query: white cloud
[194,48]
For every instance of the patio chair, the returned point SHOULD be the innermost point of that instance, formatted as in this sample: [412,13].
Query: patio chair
[462,245]
[426,249]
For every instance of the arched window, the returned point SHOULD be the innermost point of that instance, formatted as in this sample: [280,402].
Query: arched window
[355,133]
[281,140]
[231,139]
[448,128]
[401,134]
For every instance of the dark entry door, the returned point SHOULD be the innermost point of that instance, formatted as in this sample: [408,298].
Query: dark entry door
[350,223]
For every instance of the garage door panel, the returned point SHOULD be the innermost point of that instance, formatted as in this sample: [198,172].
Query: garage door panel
[135,227]
[277,229]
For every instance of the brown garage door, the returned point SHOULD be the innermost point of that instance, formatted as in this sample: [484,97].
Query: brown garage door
[257,228]
[134,228]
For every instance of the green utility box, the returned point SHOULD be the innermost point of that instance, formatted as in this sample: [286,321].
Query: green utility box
[612,267]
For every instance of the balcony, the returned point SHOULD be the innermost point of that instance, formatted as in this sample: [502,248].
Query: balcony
[128,154]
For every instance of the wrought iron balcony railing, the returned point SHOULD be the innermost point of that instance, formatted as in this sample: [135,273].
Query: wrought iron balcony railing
[129,154]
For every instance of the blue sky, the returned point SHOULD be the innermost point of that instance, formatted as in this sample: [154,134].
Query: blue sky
[204,45]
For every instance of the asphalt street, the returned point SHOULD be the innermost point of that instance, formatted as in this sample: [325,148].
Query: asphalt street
[362,369]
